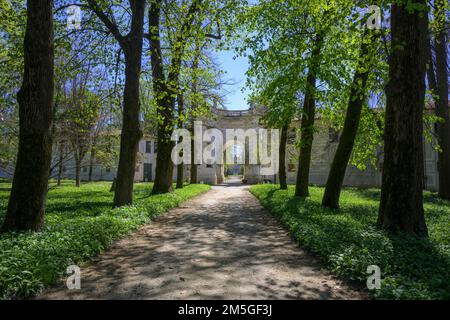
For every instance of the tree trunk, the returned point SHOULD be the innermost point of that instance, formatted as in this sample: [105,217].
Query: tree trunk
[194,167]
[307,136]
[401,206]
[91,163]
[27,201]
[348,136]
[164,164]
[113,186]
[131,129]
[165,102]
[77,169]
[180,178]
[307,122]
[282,157]
[180,167]
[443,129]
[166,89]
[60,163]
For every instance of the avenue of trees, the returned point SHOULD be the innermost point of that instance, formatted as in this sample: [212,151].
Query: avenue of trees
[365,72]
[369,68]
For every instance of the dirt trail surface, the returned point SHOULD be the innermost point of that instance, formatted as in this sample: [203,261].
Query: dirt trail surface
[220,245]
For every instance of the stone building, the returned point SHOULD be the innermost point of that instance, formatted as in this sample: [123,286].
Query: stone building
[324,146]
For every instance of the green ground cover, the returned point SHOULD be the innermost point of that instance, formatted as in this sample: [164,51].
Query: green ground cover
[79,224]
[348,242]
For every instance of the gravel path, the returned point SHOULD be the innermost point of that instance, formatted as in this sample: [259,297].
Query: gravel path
[220,245]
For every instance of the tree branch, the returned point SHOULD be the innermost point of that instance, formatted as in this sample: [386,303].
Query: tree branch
[112,27]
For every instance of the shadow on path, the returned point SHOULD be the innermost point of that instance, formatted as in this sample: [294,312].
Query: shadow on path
[220,245]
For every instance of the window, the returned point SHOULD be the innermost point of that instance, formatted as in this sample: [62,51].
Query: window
[108,169]
[148,147]
[84,169]
[155,147]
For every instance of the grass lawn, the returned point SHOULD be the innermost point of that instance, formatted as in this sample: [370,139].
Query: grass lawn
[347,241]
[79,223]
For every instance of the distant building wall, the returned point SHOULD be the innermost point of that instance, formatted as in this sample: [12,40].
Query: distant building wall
[324,147]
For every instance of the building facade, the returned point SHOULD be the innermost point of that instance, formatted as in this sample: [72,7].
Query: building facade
[323,149]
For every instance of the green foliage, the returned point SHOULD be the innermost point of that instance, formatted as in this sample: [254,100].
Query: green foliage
[348,242]
[12,29]
[107,149]
[79,224]
[280,36]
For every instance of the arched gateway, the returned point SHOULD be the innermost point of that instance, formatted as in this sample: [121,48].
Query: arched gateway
[232,120]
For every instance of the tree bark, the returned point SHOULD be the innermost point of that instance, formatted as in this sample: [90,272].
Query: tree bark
[194,106]
[194,167]
[27,201]
[91,163]
[60,163]
[307,122]
[351,123]
[164,164]
[180,173]
[401,206]
[165,102]
[113,185]
[131,129]
[282,157]
[442,108]
[180,167]
[77,169]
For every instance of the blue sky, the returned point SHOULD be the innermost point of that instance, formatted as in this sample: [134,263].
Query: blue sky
[235,73]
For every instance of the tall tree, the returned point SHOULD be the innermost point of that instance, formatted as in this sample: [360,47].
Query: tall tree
[194,108]
[131,45]
[308,118]
[401,206]
[292,39]
[26,205]
[438,80]
[180,167]
[351,123]
[83,115]
[282,157]
[165,88]
[279,98]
